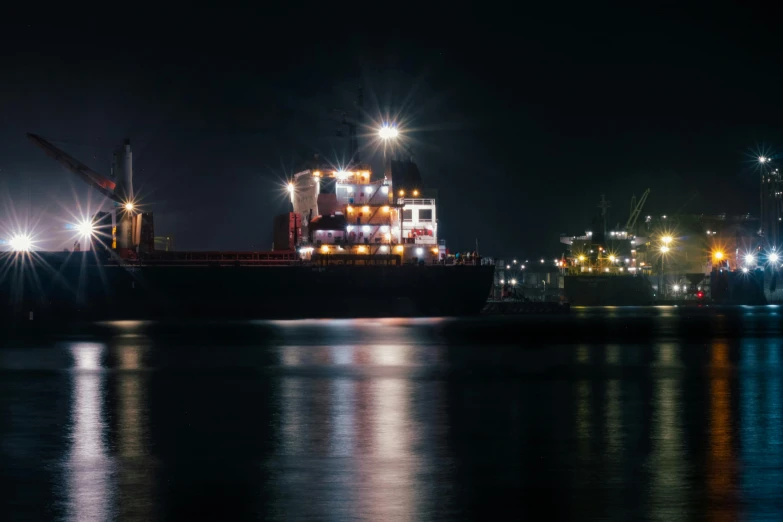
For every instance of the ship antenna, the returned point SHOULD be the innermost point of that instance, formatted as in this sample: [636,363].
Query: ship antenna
[356,121]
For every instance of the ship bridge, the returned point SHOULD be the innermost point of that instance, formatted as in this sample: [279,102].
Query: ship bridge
[360,215]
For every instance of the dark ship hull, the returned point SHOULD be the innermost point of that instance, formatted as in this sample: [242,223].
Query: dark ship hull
[609,290]
[76,287]
[755,287]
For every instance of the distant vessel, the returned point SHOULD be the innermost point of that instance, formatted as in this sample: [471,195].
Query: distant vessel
[602,267]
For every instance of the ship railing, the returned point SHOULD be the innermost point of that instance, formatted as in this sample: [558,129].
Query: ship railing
[415,201]
[600,270]
[219,258]
[356,259]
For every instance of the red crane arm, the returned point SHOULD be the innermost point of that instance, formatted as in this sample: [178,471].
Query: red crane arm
[103,184]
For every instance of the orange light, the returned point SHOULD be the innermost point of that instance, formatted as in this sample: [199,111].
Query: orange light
[317,173]
[415,192]
[349,208]
[399,248]
[718,255]
[435,251]
[365,208]
[402,193]
[386,208]
[325,249]
[362,249]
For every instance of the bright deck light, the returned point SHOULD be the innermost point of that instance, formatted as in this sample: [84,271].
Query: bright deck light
[21,243]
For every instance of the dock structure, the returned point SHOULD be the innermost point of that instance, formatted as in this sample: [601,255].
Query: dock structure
[524,307]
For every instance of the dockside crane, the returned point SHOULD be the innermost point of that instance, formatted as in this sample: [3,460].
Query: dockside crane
[101,183]
[131,229]
[636,210]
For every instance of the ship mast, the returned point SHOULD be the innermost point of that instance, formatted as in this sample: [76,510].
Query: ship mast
[351,123]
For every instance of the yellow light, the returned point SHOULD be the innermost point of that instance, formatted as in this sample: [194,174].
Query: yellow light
[718,255]
[415,192]
[128,206]
[399,248]
[349,208]
[386,208]
[317,173]
[365,208]
[581,258]
[435,251]
[325,249]
[666,239]
[402,193]
[362,249]
[611,259]
[664,249]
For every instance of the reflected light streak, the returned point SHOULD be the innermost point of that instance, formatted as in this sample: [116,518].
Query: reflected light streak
[391,467]
[583,413]
[582,354]
[132,432]
[343,406]
[292,399]
[720,460]
[760,428]
[131,422]
[613,354]
[613,419]
[667,485]
[342,355]
[390,355]
[88,467]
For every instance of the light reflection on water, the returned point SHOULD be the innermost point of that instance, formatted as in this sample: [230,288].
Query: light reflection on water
[88,468]
[394,427]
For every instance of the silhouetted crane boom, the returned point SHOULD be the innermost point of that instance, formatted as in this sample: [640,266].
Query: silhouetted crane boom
[103,184]
[636,209]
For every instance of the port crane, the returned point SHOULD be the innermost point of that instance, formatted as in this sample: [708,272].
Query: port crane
[128,228]
[636,210]
[101,183]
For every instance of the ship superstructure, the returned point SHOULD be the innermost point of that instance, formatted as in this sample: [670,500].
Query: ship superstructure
[347,214]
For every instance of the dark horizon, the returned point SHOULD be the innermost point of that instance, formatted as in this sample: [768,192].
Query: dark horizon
[521,128]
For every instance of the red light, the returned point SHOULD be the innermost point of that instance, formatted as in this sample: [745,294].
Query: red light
[700,295]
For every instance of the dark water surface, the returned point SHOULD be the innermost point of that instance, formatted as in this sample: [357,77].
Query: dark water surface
[613,414]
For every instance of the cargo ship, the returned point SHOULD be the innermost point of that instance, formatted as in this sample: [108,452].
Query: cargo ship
[352,245]
[602,267]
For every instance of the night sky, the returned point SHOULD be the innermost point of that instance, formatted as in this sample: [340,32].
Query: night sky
[520,119]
